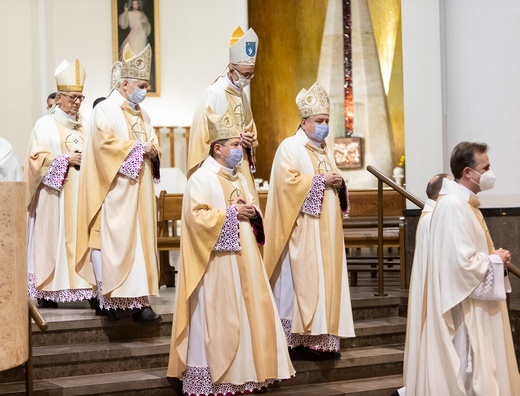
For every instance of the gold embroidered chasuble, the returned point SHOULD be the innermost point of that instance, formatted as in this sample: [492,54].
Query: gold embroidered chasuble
[53,213]
[458,259]
[118,214]
[239,315]
[217,97]
[315,245]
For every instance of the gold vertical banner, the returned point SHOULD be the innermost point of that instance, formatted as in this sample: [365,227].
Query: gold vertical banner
[14,348]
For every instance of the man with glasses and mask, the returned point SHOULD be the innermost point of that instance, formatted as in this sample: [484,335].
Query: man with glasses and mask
[229,89]
[117,218]
[304,250]
[52,176]
[227,337]
[466,346]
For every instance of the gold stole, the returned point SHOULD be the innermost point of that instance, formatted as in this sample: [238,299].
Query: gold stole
[475,204]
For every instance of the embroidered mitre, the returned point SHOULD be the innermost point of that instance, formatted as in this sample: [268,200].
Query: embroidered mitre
[222,126]
[314,101]
[132,65]
[243,47]
[70,77]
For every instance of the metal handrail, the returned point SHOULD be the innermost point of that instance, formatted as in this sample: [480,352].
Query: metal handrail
[382,178]
[35,315]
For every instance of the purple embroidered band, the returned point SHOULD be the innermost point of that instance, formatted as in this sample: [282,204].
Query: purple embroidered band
[228,240]
[55,175]
[314,199]
[131,166]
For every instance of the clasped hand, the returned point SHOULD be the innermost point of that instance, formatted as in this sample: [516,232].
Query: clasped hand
[504,255]
[245,211]
[333,179]
[247,139]
[150,150]
[74,158]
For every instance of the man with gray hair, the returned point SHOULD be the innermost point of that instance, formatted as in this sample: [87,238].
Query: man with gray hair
[117,217]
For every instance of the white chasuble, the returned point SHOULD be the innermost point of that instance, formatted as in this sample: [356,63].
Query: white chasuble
[53,211]
[226,320]
[466,345]
[118,213]
[305,254]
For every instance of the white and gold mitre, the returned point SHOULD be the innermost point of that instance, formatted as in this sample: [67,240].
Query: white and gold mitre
[132,65]
[70,77]
[243,47]
[222,126]
[314,101]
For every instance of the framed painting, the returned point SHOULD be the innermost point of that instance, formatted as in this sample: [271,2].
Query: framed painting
[136,22]
[348,152]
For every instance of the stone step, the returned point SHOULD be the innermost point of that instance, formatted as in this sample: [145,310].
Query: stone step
[355,363]
[371,332]
[367,366]
[91,328]
[130,383]
[376,386]
[154,381]
[98,357]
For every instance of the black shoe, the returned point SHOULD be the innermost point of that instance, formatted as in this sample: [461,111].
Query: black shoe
[322,355]
[94,303]
[146,315]
[298,353]
[47,303]
[115,314]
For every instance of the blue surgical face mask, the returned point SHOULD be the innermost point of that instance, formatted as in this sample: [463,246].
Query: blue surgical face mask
[321,131]
[138,95]
[235,156]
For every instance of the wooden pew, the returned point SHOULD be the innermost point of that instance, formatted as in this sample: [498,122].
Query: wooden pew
[360,230]
[169,209]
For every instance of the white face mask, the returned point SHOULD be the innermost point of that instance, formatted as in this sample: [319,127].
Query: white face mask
[487,180]
[138,95]
[241,81]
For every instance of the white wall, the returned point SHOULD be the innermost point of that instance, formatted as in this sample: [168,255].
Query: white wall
[461,82]
[39,34]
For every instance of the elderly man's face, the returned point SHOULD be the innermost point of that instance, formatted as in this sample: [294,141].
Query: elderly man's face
[70,102]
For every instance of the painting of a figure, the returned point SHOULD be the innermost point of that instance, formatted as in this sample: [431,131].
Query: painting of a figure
[136,23]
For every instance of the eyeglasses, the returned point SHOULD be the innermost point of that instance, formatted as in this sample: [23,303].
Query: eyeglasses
[73,99]
[247,76]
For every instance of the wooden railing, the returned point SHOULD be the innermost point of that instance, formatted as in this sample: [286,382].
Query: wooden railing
[168,132]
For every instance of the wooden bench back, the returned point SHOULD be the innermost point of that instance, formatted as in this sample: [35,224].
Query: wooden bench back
[364,202]
[169,208]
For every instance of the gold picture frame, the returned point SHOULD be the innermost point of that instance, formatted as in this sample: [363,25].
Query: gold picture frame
[146,31]
[348,152]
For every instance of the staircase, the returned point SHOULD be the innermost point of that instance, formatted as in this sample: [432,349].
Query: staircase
[81,354]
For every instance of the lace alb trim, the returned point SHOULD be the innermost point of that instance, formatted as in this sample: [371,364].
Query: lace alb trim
[322,342]
[66,295]
[120,302]
[55,175]
[229,238]
[314,199]
[131,166]
[197,382]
